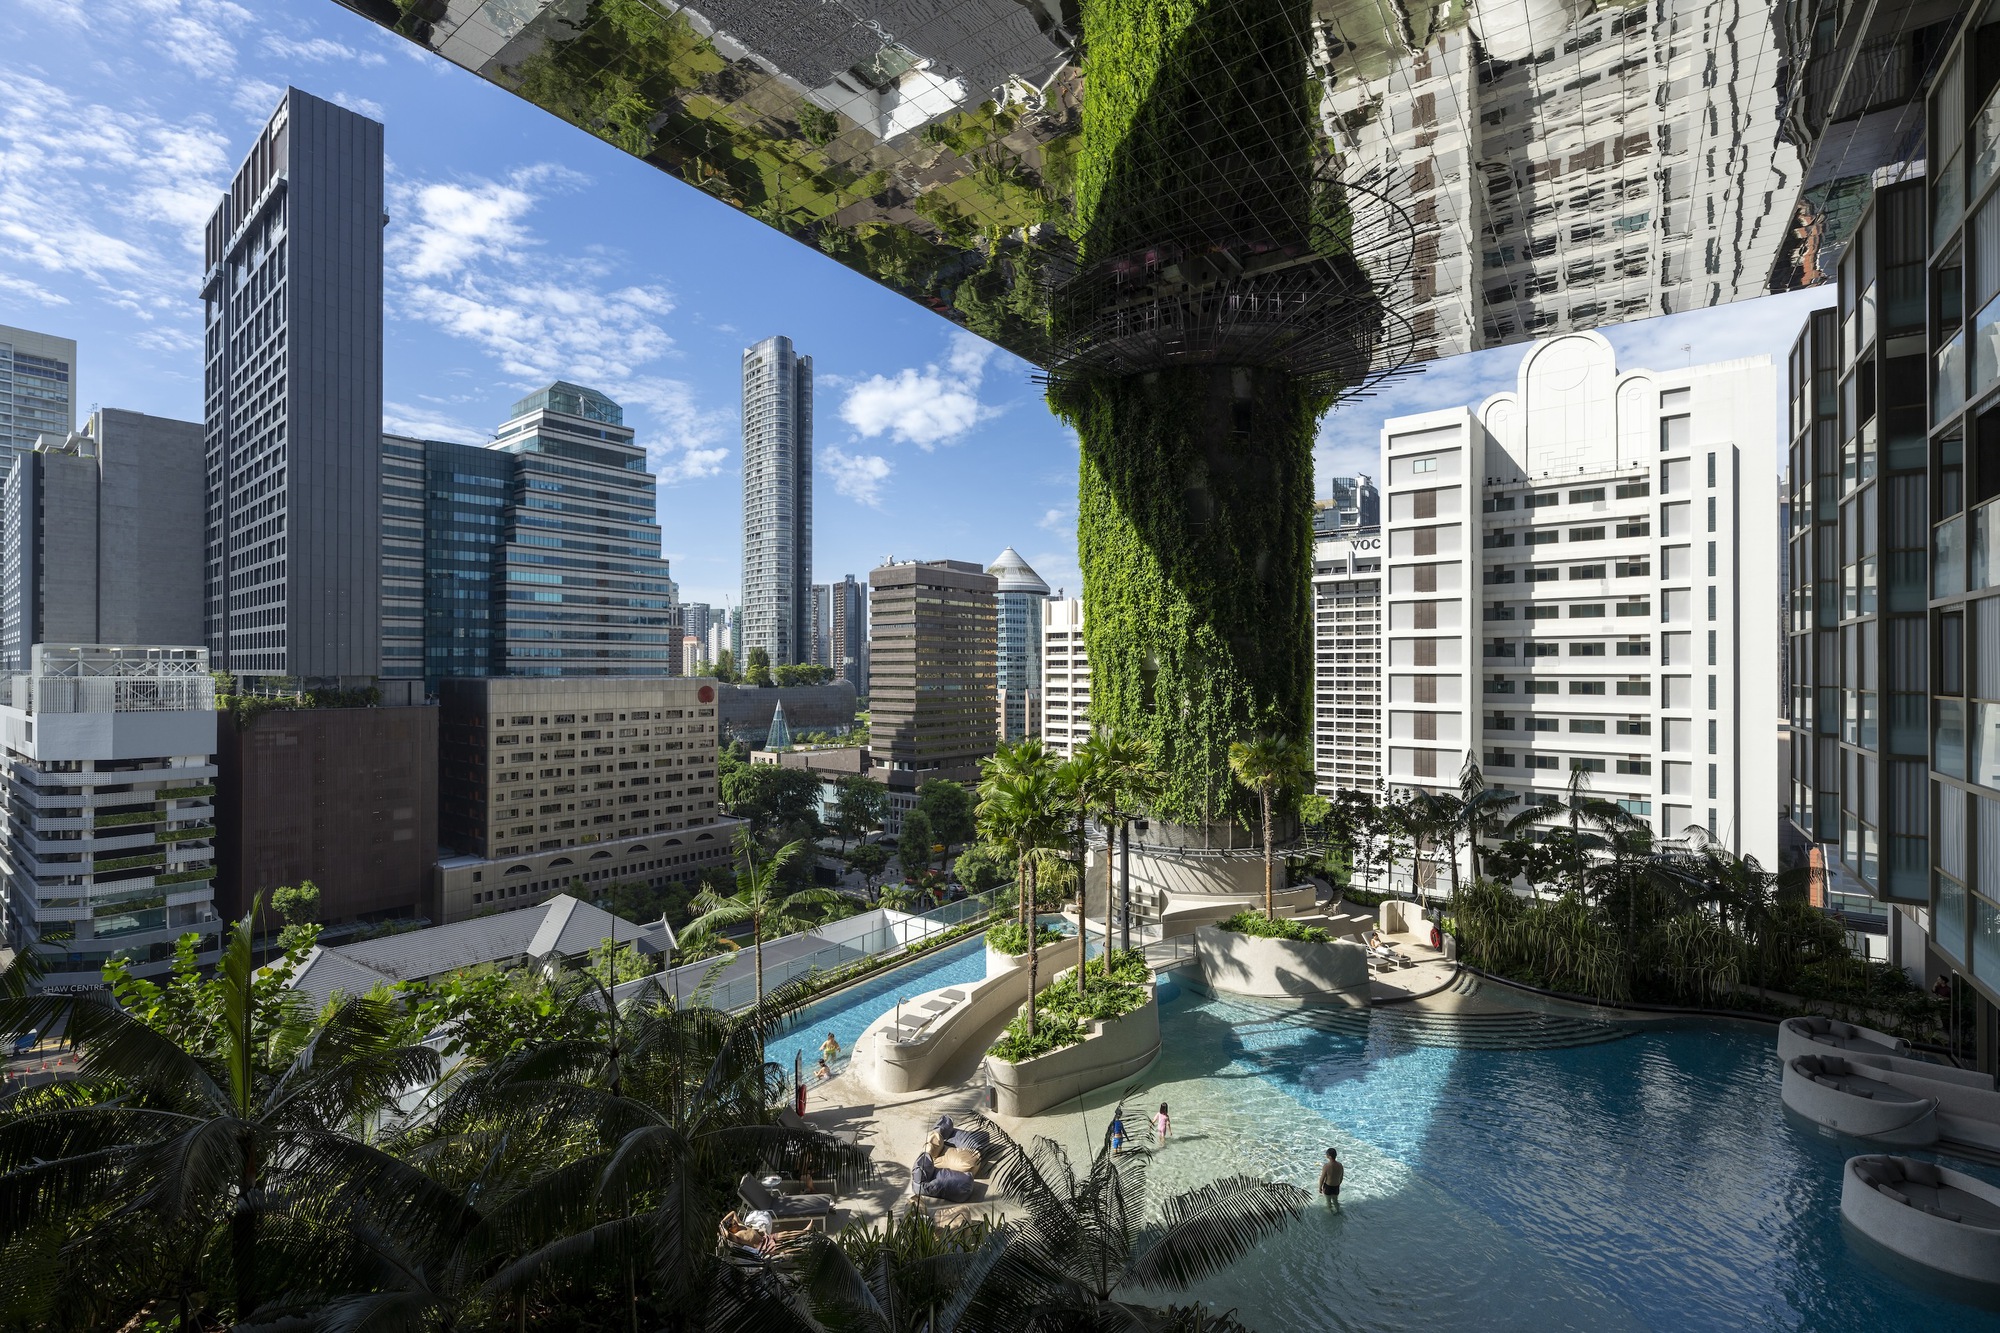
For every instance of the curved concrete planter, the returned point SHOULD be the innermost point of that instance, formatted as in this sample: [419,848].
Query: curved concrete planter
[1941,1219]
[998,963]
[1824,1036]
[1829,1091]
[1282,969]
[914,1057]
[1110,1052]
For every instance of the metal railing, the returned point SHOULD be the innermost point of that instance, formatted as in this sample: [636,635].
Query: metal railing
[828,948]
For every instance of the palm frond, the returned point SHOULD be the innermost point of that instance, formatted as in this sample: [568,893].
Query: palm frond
[1204,1230]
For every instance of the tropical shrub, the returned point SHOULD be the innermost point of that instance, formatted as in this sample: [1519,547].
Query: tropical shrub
[1009,938]
[1249,922]
[1060,1012]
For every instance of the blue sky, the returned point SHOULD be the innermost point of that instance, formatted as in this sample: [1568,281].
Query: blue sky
[522,250]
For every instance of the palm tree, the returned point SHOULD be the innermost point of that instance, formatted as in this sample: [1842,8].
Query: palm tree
[756,901]
[1132,784]
[1083,784]
[914,1276]
[1019,809]
[647,1120]
[206,1158]
[1269,765]
[1086,1237]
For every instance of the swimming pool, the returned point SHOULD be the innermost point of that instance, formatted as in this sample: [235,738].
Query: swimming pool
[1649,1181]
[847,1014]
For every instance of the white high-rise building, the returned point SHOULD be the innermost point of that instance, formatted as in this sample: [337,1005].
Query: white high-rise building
[1065,676]
[777,502]
[1347,662]
[1579,578]
[110,847]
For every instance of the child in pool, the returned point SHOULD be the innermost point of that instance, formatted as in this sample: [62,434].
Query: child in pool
[1162,1126]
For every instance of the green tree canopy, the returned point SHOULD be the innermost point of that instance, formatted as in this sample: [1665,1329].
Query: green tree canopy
[951,810]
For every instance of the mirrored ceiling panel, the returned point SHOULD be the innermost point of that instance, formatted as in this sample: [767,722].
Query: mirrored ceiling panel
[1503,169]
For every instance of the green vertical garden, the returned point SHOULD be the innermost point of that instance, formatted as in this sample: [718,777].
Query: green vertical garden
[1195,488]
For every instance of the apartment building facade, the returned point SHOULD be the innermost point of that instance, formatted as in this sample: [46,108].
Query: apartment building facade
[37,388]
[545,783]
[1065,676]
[1347,662]
[110,839]
[1579,581]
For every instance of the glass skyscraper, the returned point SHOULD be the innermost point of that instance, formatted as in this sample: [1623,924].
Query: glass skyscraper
[538,555]
[1019,623]
[587,592]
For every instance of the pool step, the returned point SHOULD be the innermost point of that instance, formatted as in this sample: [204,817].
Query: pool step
[1514,1030]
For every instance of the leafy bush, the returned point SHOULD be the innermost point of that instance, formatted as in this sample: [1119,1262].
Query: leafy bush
[1251,922]
[1010,939]
[1060,1012]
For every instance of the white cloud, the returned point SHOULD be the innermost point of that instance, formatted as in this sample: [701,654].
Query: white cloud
[112,196]
[429,423]
[192,33]
[1055,520]
[256,99]
[859,477]
[364,106]
[467,261]
[318,50]
[928,407]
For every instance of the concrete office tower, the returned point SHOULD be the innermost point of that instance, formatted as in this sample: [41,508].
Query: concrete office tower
[37,388]
[554,786]
[292,296]
[109,848]
[1352,503]
[777,502]
[1021,593]
[1579,580]
[100,537]
[1065,676]
[931,689]
[344,797]
[696,617]
[1347,662]
[847,649]
[586,588]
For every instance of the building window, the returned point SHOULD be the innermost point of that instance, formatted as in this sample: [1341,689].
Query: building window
[1586,534]
[1635,687]
[1586,687]
[1544,499]
[1586,571]
[1587,726]
[1544,687]
[1635,727]
[1586,650]
[1423,464]
[1587,495]
[1587,611]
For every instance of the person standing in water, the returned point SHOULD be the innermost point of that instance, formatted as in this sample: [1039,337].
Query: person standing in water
[1117,1133]
[1331,1173]
[1162,1127]
[829,1050]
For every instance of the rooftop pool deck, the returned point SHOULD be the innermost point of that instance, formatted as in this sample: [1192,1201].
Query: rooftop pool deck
[1504,1171]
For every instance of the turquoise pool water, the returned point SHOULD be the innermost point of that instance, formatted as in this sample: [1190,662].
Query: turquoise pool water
[1649,1182]
[847,1014]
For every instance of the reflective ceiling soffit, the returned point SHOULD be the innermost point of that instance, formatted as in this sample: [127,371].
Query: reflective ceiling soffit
[1498,172]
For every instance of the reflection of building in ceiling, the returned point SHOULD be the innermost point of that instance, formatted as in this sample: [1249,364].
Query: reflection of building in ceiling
[1857,74]
[1563,165]
[1564,172]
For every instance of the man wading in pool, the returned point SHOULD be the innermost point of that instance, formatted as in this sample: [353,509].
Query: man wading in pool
[1331,1173]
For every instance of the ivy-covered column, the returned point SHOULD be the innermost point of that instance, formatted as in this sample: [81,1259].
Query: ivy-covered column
[1195,182]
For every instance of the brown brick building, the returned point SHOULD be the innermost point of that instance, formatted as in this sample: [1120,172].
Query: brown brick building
[344,797]
[932,662]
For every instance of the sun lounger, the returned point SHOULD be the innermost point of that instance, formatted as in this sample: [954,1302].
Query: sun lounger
[753,1193]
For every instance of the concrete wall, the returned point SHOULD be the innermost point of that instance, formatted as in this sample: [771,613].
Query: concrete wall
[1282,969]
[150,529]
[896,1067]
[1109,1053]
